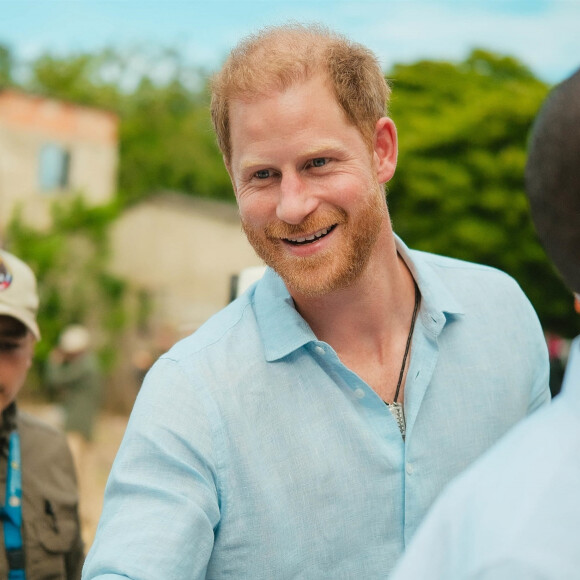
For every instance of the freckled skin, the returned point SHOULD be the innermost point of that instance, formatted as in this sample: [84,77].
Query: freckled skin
[299,167]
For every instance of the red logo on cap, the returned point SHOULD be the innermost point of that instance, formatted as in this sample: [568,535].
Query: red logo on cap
[5,276]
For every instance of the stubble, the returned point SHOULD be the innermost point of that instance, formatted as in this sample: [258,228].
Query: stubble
[330,270]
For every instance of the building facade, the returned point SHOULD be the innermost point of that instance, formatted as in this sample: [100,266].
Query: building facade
[50,150]
[183,251]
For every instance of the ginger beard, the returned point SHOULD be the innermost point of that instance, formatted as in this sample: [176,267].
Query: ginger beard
[328,270]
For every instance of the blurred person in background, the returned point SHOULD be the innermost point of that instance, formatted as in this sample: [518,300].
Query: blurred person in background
[74,378]
[304,430]
[515,514]
[40,531]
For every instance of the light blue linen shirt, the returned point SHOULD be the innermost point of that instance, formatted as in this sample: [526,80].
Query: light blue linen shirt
[253,453]
[515,514]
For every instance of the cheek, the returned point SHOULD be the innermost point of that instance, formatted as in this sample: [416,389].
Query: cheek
[255,210]
[12,376]
[21,365]
[23,368]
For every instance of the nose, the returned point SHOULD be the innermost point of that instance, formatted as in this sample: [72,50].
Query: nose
[295,201]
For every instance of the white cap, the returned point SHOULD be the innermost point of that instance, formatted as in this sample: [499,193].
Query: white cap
[18,295]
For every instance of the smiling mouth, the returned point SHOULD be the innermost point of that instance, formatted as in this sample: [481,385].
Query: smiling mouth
[310,239]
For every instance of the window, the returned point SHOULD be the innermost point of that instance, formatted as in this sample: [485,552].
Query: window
[54,165]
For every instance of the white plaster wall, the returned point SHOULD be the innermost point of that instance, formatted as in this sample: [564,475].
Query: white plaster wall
[184,252]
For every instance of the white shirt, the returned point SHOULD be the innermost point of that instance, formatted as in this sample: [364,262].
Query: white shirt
[515,514]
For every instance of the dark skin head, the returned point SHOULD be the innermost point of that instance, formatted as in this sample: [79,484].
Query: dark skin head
[553,178]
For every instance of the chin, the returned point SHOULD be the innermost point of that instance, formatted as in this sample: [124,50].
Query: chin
[322,276]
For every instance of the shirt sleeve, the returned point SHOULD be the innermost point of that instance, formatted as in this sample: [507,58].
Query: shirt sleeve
[161,502]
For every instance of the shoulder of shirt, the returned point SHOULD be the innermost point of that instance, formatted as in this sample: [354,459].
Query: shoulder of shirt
[441,261]
[224,324]
[34,425]
[444,264]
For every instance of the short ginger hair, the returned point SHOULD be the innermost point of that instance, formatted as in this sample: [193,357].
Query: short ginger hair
[278,57]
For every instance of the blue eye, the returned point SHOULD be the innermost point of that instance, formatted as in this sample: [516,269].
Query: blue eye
[262,174]
[319,162]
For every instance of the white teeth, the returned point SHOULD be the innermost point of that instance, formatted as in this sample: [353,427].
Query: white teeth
[312,237]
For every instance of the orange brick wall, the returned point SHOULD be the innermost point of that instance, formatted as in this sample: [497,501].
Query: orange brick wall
[56,118]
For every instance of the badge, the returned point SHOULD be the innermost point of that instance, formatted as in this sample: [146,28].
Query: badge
[5,276]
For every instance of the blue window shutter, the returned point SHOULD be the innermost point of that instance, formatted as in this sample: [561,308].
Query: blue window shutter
[54,164]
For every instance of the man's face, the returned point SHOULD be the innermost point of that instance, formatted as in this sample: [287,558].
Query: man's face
[16,351]
[308,187]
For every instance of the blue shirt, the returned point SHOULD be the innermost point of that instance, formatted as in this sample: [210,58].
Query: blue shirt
[515,514]
[253,453]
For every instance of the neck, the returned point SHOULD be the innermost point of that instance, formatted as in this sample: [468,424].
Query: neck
[372,314]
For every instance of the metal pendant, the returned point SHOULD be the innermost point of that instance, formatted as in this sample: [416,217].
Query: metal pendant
[399,414]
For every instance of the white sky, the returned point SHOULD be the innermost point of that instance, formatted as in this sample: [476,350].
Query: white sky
[544,34]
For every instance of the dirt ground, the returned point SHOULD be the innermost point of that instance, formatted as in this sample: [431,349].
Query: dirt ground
[109,432]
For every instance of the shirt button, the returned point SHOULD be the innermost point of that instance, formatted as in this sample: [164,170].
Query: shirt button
[319,350]
[409,469]
[359,393]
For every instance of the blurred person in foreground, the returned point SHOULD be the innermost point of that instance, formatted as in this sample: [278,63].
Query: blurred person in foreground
[515,514]
[73,376]
[40,531]
[304,431]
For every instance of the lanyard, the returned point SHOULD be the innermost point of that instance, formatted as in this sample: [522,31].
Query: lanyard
[11,513]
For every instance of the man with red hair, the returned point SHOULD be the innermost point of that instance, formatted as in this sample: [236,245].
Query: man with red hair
[304,431]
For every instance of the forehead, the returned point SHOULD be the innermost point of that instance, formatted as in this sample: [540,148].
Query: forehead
[307,111]
[317,87]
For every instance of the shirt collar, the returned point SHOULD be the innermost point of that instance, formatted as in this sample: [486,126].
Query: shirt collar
[437,300]
[283,330]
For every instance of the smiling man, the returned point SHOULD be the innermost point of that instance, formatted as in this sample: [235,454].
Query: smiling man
[304,431]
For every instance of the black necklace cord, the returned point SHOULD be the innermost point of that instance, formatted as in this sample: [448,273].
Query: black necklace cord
[407,347]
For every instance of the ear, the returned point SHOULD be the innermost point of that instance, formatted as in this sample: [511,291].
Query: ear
[385,149]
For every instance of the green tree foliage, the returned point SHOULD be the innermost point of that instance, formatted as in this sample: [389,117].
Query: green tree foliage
[5,66]
[166,139]
[167,142]
[459,186]
[70,262]
[76,78]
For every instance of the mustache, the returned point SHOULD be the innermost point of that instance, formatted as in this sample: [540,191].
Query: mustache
[309,225]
